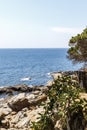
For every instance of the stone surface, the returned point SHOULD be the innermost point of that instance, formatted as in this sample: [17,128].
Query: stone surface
[18,102]
[19,109]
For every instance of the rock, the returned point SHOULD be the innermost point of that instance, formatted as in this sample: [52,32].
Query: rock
[55,75]
[49,83]
[14,90]
[83,96]
[38,100]
[2,129]
[22,107]
[4,111]
[44,89]
[17,117]
[5,124]
[36,88]
[22,100]
[11,89]
[18,102]
[23,123]
[30,96]
[41,98]
[23,118]
[36,92]
[34,114]
[21,88]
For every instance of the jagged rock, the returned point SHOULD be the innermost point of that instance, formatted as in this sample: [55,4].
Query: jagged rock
[18,102]
[18,88]
[22,100]
[5,124]
[38,100]
[11,89]
[4,111]
[16,118]
[23,123]
[34,114]
[21,87]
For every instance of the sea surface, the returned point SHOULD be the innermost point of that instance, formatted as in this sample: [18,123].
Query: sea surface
[32,66]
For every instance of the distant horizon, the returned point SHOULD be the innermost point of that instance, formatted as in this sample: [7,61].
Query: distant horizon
[34,48]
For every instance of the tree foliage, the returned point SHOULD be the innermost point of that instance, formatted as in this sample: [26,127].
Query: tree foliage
[78,48]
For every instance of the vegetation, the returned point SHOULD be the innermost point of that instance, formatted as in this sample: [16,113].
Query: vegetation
[64,104]
[78,48]
[63,101]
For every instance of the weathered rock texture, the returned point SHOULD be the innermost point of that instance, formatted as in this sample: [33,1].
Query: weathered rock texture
[19,107]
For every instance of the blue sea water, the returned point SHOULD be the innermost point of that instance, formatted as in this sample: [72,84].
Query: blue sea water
[32,66]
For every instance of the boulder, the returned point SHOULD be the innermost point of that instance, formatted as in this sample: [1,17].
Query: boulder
[18,102]
[38,100]
[21,88]
[22,100]
[4,111]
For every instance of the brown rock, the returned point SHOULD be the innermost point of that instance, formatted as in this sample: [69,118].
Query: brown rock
[38,100]
[18,102]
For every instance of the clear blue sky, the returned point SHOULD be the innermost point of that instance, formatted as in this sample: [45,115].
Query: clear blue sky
[40,23]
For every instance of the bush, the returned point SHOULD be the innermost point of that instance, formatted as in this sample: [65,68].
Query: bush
[63,101]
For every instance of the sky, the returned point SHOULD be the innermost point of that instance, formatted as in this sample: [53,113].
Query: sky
[40,23]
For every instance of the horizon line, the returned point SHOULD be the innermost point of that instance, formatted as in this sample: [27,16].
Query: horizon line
[38,48]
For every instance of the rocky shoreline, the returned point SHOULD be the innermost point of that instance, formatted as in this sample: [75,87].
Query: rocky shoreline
[20,104]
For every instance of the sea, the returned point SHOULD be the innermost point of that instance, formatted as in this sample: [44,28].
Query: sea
[32,66]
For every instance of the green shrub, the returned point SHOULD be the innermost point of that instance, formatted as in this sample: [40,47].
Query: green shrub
[63,100]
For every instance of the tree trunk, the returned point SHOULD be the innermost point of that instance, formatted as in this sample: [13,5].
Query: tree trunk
[76,121]
[82,75]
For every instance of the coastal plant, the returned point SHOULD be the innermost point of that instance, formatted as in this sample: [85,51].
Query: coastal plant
[63,102]
[44,123]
